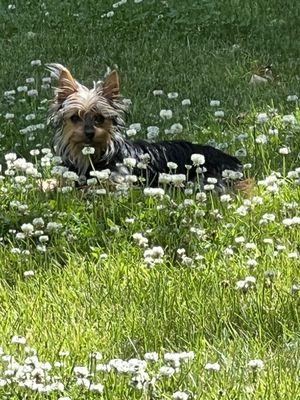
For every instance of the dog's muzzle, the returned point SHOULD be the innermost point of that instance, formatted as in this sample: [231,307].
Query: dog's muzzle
[89,132]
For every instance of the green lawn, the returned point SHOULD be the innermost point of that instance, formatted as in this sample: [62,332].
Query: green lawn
[83,284]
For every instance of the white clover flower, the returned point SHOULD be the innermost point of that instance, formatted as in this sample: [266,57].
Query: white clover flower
[239,239]
[9,93]
[21,89]
[250,246]
[65,189]
[292,97]
[172,165]
[140,239]
[157,252]
[87,150]
[46,79]
[34,152]
[256,364]
[158,92]
[31,171]
[30,80]
[178,179]
[154,192]
[225,198]
[212,367]
[295,289]
[131,179]
[81,371]
[251,280]
[166,114]
[219,114]
[98,388]
[129,162]
[91,181]
[152,132]
[197,159]
[176,128]
[164,178]
[166,371]
[10,157]
[293,175]
[293,254]
[215,103]
[36,63]
[289,119]
[201,196]
[58,170]
[212,180]
[172,95]
[129,220]
[180,396]
[262,118]
[18,340]
[241,153]
[27,228]
[32,93]
[110,14]
[252,263]
[28,274]
[267,218]
[101,175]
[20,179]
[152,357]
[273,131]
[103,368]
[44,238]
[261,139]
[291,221]
[20,236]
[186,102]
[172,358]
[41,248]
[9,116]
[72,176]
[209,187]
[242,285]
[284,150]
[127,102]
[136,126]
[53,226]
[131,132]
[186,356]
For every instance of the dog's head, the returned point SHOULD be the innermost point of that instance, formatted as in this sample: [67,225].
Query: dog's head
[85,117]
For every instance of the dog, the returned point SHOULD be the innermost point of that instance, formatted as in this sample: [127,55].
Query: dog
[94,117]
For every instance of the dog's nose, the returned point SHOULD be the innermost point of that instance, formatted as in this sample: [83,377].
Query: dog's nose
[89,133]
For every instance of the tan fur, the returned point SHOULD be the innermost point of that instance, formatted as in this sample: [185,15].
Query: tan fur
[111,86]
[74,136]
[73,98]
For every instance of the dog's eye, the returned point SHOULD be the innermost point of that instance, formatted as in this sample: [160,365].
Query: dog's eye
[75,118]
[99,119]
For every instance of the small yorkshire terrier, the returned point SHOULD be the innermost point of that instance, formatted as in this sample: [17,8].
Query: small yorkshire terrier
[94,117]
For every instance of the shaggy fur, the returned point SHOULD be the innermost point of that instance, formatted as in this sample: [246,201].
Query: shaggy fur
[94,117]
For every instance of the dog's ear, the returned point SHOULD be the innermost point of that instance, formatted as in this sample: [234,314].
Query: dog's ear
[66,83]
[111,86]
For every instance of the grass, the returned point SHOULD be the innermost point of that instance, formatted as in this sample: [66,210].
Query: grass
[91,289]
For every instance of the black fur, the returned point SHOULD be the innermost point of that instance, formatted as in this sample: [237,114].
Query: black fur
[177,151]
